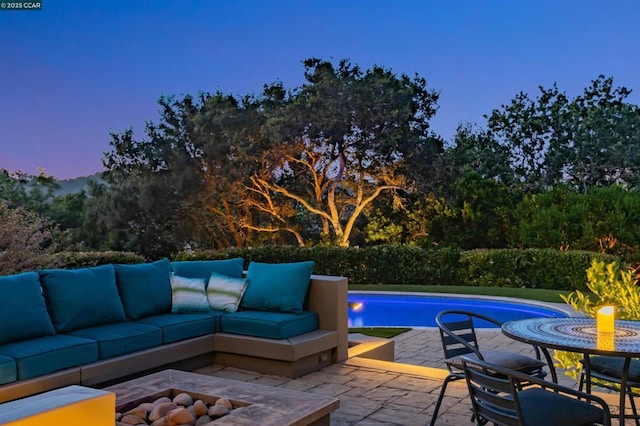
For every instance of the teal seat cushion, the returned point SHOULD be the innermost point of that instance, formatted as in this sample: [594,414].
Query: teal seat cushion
[273,325]
[145,288]
[122,338]
[8,370]
[204,268]
[23,312]
[80,298]
[279,287]
[176,327]
[43,355]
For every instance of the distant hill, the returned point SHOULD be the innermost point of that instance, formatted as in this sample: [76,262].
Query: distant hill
[75,185]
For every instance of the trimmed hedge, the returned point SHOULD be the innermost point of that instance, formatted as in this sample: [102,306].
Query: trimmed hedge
[71,260]
[531,268]
[367,265]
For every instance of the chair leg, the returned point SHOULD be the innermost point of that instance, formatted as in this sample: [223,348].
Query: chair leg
[632,402]
[441,397]
[581,384]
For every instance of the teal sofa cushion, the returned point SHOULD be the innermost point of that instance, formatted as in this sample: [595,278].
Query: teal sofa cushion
[43,355]
[204,268]
[8,370]
[145,288]
[279,287]
[176,327]
[273,325]
[23,312]
[121,338]
[80,298]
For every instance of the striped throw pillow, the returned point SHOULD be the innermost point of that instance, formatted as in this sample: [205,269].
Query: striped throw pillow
[224,293]
[188,295]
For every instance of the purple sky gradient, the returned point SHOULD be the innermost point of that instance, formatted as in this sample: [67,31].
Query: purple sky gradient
[77,70]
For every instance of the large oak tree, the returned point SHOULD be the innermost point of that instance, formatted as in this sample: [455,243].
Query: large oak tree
[284,166]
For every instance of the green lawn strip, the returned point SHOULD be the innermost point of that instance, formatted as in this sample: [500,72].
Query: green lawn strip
[524,293]
[386,332]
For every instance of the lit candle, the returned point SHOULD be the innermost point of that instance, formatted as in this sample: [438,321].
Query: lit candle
[605,321]
[606,342]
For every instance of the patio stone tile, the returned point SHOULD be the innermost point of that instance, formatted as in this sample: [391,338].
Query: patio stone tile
[273,381]
[365,383]
[415,401]
[375,375]
[298,385]
[413,383]
[359,407]
[385,394]
[325,377]
[329,389]
[399,417]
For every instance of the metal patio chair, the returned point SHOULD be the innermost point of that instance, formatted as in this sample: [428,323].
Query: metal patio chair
[458,335]
[497,396]
[607,370]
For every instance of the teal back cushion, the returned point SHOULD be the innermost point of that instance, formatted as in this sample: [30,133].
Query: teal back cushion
[80,298]
[23,313]
[204,268]
[278,287]
[145,289]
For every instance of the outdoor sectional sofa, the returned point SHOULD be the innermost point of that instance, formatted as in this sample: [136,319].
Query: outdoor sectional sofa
[93,326]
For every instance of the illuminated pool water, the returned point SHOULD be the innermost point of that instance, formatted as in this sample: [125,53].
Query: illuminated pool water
[419,310]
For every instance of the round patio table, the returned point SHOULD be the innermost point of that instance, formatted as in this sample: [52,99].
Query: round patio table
[580,335]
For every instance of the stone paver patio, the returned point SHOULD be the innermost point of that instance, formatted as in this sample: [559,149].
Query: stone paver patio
[404,392]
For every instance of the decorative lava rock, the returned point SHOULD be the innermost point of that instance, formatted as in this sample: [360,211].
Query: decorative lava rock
[182,409]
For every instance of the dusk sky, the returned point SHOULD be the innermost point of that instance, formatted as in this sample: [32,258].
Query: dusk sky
[77,70]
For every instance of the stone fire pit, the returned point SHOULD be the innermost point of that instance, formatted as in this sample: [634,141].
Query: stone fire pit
[253,404]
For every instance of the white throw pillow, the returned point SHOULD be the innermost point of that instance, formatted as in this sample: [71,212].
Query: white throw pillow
[188,295]
[224,293]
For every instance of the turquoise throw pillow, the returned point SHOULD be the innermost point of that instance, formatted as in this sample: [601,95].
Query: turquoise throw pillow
[145,288]
[23,313]
[189,295]
[224,293]
[80,298]
[280,287]
[204,268]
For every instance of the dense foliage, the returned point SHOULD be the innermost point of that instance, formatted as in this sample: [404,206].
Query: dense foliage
[348,159]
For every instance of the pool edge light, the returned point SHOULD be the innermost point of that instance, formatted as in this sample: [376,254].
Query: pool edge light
[356,306]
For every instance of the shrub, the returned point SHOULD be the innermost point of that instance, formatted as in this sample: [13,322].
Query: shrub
[26,240]
[71,260]
[530,268]
[607,284]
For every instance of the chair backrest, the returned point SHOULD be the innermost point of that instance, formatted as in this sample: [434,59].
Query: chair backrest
[493,393]
[496,393]
[458,333]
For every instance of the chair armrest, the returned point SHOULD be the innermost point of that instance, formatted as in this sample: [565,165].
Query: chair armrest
[530,380]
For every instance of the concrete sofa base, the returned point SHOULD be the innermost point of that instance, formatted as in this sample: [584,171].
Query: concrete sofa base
[103,371]
[293,357]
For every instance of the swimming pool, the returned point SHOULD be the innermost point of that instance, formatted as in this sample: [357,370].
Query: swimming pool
[380,309]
